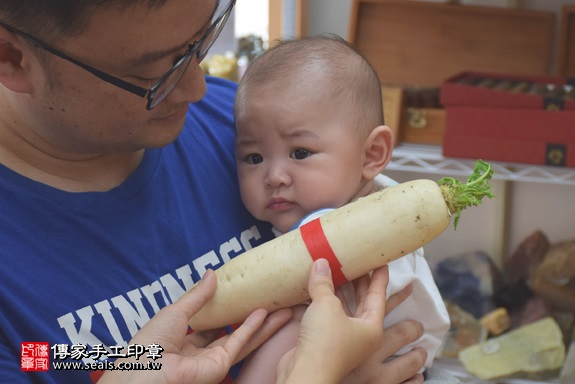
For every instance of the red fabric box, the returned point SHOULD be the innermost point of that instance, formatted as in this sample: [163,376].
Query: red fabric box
[506,125]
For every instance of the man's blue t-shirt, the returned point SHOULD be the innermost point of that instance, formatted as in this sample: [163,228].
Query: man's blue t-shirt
[93,268]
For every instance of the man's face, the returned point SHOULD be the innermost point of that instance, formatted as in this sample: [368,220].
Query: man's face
[77,113]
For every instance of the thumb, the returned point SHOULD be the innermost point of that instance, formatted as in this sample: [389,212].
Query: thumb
[194,299]
[320,281]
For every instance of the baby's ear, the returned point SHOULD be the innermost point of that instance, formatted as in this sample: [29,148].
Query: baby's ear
[378,148]
[12,72]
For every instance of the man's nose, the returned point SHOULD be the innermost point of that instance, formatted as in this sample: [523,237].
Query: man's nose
[192,86]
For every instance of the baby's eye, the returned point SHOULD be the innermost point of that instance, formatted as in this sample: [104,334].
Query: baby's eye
[254,158]
[300,154]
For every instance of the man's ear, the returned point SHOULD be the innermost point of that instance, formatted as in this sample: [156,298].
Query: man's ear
[378,148]
[12,72]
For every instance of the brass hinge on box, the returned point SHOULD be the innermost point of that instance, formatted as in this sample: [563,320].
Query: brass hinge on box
[416,118]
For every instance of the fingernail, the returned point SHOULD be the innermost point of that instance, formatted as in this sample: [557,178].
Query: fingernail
[207,273]
[322,267]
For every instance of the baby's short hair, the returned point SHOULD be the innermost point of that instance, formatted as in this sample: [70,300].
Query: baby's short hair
[346,77]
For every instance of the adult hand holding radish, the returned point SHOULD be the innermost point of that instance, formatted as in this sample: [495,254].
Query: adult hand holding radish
[356,238]
[195,358]
[326,328]
[328,338]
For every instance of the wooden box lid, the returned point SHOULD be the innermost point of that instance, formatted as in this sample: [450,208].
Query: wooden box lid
[566,56]
[422,43]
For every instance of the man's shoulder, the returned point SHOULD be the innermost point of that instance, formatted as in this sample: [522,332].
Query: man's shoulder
[216,108]
[220,88]
[218,82]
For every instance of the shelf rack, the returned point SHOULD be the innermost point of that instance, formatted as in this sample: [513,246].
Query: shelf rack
[429,159]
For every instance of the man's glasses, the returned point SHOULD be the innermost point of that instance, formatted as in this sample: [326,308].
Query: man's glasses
[169,80]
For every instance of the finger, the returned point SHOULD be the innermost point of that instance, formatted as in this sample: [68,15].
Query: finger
[404,368]
[372,304]
[241,336]
[271,324]
[320,281]
[361,288]
[399,335]
[181,311]
[397,298]
[203,338]
[193,300]
[416,379]
[340,294]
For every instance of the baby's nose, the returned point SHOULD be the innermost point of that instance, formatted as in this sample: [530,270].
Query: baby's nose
[277,177]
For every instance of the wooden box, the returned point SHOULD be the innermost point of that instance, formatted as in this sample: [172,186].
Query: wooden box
[413,114]
[421,44]
[524,119]
[566,50]
[517,127]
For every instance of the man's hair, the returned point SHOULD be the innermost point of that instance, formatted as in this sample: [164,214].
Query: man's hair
[347,78]
[51,19]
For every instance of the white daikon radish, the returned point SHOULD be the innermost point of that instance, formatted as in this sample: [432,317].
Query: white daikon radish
[361,236]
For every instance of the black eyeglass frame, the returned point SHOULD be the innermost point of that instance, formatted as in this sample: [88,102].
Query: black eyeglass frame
[193,49]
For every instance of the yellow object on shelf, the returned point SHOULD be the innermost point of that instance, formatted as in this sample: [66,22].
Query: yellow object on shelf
[496,322]
[224,66]
[535,350]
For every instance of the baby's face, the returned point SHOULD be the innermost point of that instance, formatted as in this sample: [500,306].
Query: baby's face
[295,156]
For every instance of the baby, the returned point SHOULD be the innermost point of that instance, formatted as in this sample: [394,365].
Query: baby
[311,138]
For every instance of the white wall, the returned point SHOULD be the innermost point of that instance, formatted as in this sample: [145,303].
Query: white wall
[227,39]
[530,206]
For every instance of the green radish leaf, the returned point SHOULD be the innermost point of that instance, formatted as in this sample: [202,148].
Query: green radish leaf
[459,196]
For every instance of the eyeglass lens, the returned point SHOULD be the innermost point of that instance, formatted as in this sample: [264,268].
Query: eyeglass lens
[200,51]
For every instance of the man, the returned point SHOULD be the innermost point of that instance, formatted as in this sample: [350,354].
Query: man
[111,207]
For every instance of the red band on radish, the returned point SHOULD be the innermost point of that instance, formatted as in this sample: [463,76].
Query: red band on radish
[319,248]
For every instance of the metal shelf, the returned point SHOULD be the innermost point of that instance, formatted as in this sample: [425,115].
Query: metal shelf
[429,159]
